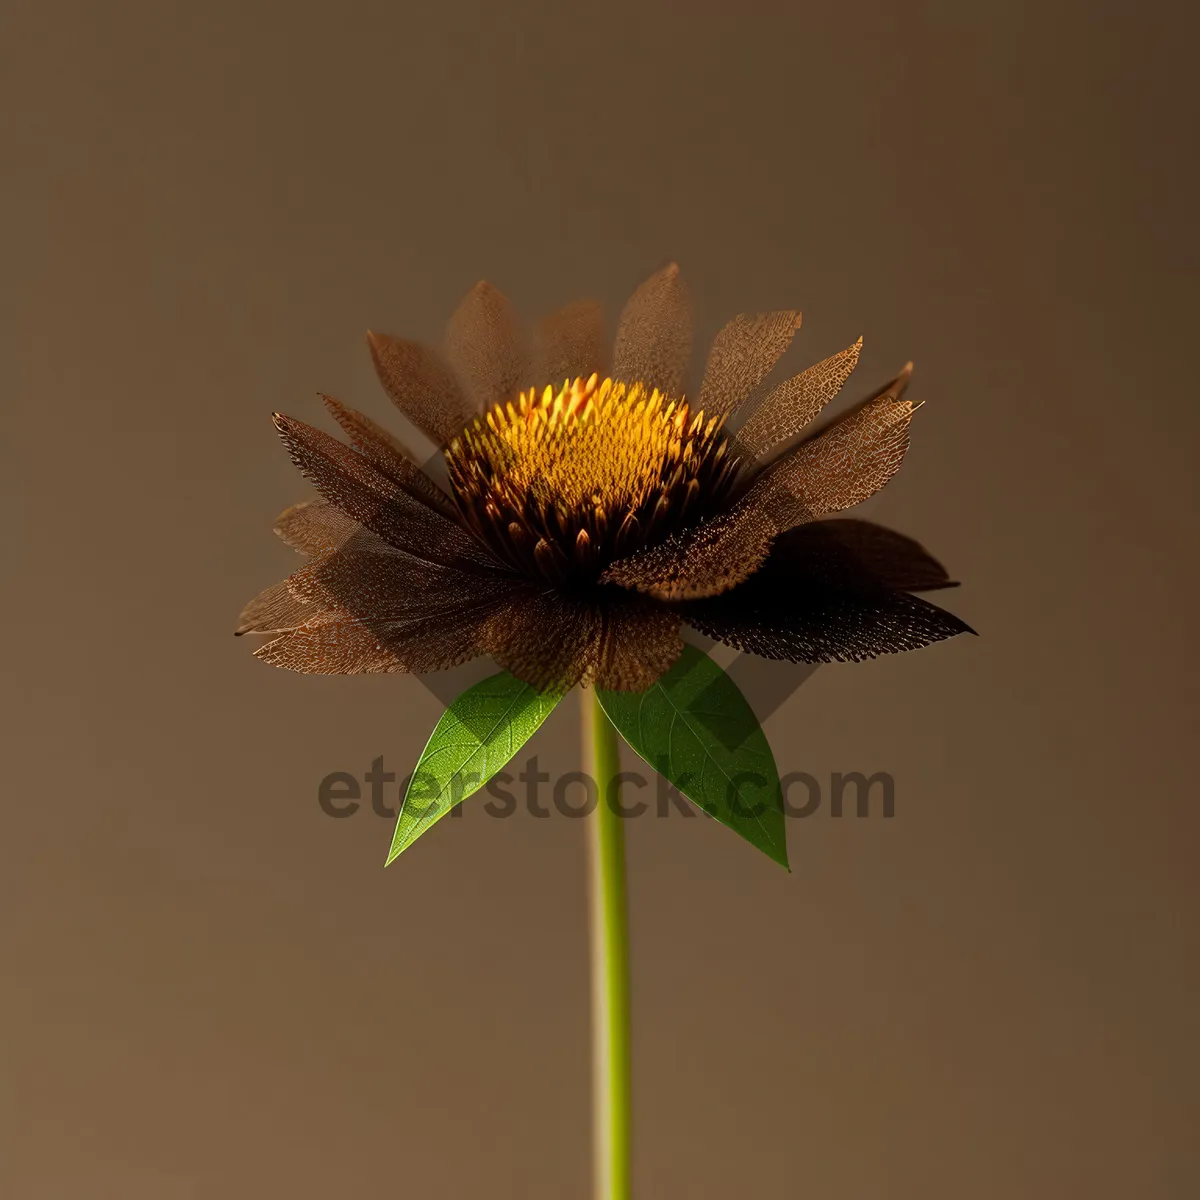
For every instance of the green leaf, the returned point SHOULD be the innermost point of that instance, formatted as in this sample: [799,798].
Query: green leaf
[476,736]
[695,728]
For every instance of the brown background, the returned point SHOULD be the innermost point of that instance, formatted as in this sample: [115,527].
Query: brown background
[214,990]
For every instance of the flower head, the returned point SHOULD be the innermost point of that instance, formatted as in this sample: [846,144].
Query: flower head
[566,483]
[593,514]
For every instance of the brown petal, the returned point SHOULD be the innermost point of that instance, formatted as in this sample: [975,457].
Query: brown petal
[336,644]
[339,644]
[843,466]
[793,609]
[741,356]
[789,407]
[350,483]
[388,455]
[548,639]
[314,527]
[851,553]
[276,609]
[421,386]
[342,643]
[704,560]
[822,627]
[639,643]
[654,334]
[486,346]
[373,580]
[569,344]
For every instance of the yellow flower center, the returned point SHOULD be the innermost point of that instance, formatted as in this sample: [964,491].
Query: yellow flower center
[567,481]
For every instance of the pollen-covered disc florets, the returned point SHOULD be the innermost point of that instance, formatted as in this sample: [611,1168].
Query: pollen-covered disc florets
[565,482]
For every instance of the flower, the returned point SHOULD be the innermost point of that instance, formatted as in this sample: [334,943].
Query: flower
[592,516]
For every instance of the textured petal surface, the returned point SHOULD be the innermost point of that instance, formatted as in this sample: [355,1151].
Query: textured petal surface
[275,610]
[486,347]
[342,644]
[569,344]
[851,552]
[654,334]
[548,639]
[421,385]
[314,527]
[844,465]
[807,608]
[640,643]
[374,580]
[741,356]
[788,408]
[823,625]
[350,483]
[388,455]
[438,627]
[704,560]
[368,579]
[334,644]
[554,640]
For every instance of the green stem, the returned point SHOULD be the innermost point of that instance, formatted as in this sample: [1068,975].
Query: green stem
[610,959]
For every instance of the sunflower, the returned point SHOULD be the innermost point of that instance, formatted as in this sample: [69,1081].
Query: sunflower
[591,509]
